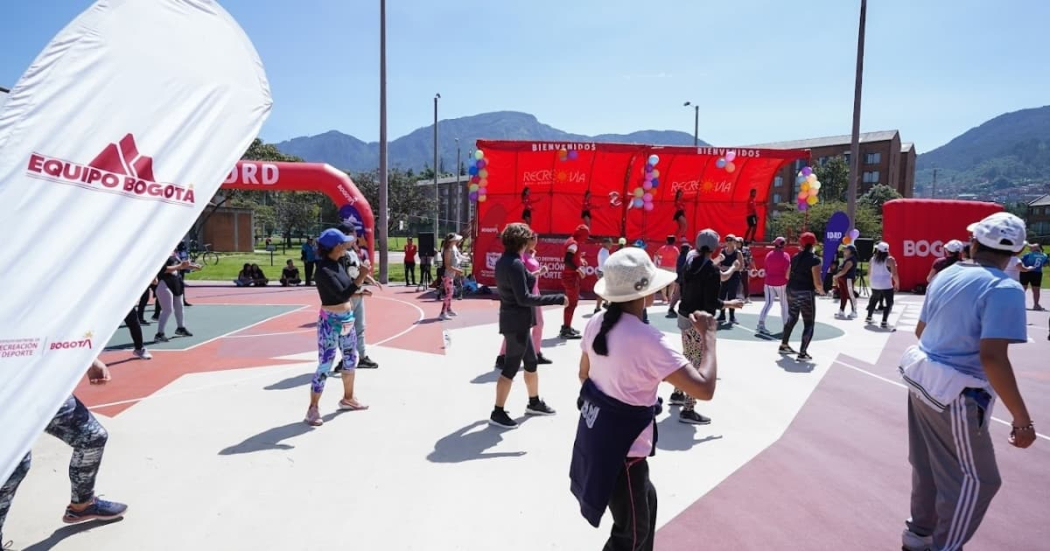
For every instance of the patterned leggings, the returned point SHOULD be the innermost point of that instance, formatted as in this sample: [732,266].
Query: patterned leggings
[76,426]
[447,282]
[334,331]
[801,303]
[693,350]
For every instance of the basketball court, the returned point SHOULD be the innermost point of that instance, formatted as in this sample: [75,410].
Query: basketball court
[208,448]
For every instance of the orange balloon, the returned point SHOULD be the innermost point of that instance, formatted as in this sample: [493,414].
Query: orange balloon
[846,240]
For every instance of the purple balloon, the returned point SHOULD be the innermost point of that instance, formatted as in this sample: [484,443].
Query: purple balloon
[573,155]
[473,196]
[648,167]
[648,176]
[481,164]
[806,171]
[648,197]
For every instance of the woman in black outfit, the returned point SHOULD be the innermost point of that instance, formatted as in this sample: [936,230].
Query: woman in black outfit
[803,282]
[517,315]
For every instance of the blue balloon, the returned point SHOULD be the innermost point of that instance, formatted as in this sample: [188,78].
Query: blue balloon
[720,163]
[653,160]
[473,171]
[638,202]
[655,182]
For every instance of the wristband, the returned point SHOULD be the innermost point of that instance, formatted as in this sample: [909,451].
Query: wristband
[1030,426]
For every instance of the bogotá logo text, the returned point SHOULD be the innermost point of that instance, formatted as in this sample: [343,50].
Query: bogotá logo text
[119,168]
[83,342]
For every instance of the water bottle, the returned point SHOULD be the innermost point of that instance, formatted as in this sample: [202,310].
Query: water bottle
[447,338]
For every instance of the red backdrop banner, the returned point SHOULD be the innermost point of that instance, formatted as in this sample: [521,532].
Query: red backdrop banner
[559,181]
[917,229]
[277,176]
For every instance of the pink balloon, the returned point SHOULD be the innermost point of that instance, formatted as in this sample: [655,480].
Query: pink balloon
[648,207]
[731,156]
[647,185]
[648,198]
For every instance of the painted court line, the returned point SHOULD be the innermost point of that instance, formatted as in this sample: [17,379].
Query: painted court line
[422,315]
[898,383]
[245,328]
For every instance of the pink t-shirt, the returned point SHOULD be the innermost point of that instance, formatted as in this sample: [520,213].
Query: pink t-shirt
[532,265]
[777,265]
[640,357]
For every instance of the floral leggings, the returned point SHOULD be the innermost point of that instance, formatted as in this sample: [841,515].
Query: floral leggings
[334,331]
[76,426]
[693,350]
[448,283]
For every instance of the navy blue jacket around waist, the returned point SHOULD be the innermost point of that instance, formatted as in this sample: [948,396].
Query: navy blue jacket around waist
[604,434]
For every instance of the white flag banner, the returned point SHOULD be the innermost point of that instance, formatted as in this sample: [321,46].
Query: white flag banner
[111,145]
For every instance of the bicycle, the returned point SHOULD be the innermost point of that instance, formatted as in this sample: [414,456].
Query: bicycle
[207,256]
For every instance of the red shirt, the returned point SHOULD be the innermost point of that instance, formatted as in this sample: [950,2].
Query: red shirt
[576,256]
[751,210]
[410,253]
[667,257]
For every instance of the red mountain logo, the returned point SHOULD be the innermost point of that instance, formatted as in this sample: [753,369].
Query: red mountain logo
[119,168]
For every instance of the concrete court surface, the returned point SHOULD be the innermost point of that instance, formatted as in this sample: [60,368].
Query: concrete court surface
[208,448]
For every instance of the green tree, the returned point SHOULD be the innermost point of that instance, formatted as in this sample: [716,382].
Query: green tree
[408,202]
[877,196]
[791,222]
[834,179]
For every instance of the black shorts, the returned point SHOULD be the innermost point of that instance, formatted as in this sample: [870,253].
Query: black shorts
[526,214]
[519,351]
[1035,279]
[585,214]
[678,214]
[752,221]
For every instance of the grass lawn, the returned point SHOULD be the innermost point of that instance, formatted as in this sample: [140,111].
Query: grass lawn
[230,265]
[393,244]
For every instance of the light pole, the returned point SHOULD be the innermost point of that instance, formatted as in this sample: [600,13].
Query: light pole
[854,150]
[459,190]
[696,122]
[384,205]
[437,195]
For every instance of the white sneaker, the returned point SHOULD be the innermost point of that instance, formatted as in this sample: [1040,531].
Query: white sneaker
[450,313]
[762,330]
[143,354]
[444,317]
[913,542]
[853,315]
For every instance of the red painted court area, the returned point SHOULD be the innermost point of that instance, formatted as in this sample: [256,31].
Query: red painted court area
[395,316]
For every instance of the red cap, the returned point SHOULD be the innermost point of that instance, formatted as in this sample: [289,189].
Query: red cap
[581,232]
[807,239]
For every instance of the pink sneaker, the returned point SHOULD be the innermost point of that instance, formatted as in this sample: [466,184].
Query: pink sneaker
[351,405]
[313,417]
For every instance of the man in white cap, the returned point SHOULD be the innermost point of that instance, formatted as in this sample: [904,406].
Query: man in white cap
[971,315]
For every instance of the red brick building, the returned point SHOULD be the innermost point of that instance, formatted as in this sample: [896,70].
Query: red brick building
[229,229]
[883,160]
[1038,219]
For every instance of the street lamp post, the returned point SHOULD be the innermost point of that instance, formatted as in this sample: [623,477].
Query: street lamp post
[459,190]
[437,194]
[384,199]
[854,150]
[696,122]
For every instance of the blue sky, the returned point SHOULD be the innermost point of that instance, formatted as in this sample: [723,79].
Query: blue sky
[762,70]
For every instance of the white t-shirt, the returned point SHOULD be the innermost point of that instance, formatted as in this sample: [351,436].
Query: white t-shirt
[1013,268]
[640,357]
[603,255]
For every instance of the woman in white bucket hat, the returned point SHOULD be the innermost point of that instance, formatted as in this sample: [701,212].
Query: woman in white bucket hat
[624,361]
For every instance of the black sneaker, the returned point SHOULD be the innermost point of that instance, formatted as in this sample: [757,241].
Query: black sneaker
[671,314]
[367,363]
[575,332]
[183,332]
[691,417]
[884,325]
[677,398]
[804,357]
[543,360]
[501,360]
[721,319]
[786,349]
[156,317]
[499,418]
[161,337]
[539,407]
[143,322]
[868,320]
[568,333]
[99,509]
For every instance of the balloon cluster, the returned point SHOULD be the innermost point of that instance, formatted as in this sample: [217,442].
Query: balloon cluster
[478,177]
[566,155]
[643,194]
[727,162]
[853,235]
[809,188]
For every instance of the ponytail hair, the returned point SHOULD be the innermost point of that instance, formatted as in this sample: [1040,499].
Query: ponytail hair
[880,257]
[601,342]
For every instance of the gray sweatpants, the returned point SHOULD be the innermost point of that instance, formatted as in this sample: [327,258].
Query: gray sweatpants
[359,324]
[168,304]
[954,474]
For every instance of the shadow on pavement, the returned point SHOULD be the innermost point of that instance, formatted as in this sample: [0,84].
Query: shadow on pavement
[791,365]
[490,376]
[675,436]
[291,382]
[272,439]
[66,531]
[470,442]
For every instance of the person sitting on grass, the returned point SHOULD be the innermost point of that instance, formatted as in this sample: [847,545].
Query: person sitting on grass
[290,275]
[258,277]
[244,277]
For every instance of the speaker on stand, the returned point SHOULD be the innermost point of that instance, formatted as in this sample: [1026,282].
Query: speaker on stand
[427,247]
[865,249]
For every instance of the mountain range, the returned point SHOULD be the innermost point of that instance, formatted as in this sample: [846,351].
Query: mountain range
[1008,151]
[416,150]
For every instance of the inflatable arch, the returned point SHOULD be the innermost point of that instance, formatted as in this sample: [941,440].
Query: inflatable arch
[281,176]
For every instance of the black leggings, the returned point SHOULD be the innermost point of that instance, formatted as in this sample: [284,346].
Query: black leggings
[76,426]
[410,273]
[132,321]
[143,301]
[877,296]
[633,508]
[728,291]
[519,348]
[800,303]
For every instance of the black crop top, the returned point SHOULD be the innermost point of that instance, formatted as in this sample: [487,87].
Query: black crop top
[334,285]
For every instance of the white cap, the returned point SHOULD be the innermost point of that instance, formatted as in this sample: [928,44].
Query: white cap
[883,247]
[953,246]
[630,274]
[1001,231]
